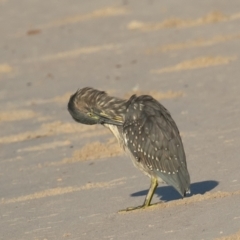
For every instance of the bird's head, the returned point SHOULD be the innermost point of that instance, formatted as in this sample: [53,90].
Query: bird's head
[84,108]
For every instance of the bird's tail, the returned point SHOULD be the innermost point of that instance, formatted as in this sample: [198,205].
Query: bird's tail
[180,181]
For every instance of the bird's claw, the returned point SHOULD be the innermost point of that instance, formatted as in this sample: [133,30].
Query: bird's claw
[132,208]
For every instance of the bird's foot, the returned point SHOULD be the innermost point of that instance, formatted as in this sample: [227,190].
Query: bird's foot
[142,207]
[133,208]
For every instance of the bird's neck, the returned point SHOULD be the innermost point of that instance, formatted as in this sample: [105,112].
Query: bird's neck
[116,131]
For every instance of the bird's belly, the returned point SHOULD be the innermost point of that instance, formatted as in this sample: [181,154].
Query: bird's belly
[142,168]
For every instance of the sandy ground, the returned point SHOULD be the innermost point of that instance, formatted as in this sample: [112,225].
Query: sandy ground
[63,180]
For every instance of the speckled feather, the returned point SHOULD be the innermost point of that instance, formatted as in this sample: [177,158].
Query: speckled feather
[153,138]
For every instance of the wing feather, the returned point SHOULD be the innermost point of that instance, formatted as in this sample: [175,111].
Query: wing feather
[155,142]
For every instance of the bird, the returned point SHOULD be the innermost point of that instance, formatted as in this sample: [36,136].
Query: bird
[144,129]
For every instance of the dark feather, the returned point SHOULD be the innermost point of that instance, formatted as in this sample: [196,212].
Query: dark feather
[158,145]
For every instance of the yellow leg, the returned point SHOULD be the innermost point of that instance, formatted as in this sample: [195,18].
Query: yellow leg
[148,199]
[153,186]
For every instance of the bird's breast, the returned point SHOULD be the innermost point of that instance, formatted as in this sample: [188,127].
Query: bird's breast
[117,132]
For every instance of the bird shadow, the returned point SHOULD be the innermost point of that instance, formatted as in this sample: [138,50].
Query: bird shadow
[168,193]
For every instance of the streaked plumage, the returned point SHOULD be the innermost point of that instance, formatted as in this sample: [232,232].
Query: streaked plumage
[144,128]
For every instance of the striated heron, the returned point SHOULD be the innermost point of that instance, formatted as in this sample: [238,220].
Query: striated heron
[145,130]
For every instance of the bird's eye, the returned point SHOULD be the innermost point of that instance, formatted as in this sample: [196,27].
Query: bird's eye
[90,114]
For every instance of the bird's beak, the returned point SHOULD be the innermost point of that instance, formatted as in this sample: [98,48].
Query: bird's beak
[104,118]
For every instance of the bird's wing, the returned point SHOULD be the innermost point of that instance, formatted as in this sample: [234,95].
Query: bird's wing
[153,138]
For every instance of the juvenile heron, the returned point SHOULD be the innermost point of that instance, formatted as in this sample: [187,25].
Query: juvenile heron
[144,129]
